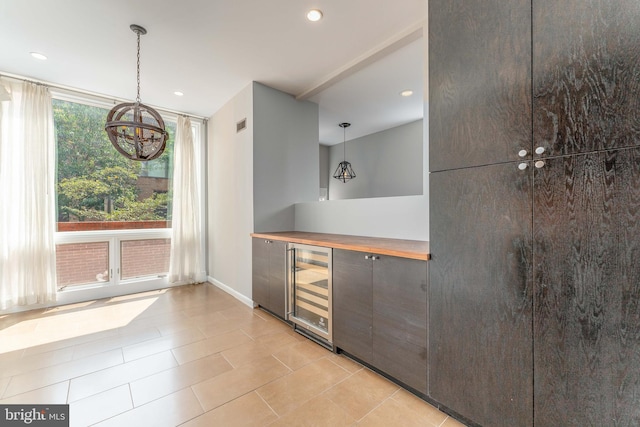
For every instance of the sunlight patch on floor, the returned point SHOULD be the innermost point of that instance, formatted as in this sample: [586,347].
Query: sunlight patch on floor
[56,327]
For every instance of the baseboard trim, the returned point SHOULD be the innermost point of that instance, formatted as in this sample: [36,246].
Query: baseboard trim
[237,295]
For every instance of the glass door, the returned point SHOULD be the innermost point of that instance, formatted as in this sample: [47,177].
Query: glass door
[310,289]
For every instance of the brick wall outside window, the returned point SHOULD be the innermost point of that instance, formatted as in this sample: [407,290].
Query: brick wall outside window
[82,263]
[87,263]
[144,257]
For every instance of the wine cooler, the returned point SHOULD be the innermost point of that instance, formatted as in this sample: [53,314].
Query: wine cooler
[309,291]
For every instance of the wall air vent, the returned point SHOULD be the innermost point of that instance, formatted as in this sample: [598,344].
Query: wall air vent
[241,125]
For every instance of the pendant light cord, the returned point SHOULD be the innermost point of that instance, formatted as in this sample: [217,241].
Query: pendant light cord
[344,143]
[138,68]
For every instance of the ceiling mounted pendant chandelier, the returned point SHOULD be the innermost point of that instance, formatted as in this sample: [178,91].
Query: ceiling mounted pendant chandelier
[136,130]
[344,172]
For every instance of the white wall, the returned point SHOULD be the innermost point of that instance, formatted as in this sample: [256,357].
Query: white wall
[230,196]
[285,153]
[386,163]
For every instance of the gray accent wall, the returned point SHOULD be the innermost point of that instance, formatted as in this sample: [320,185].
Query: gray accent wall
[256,176]
[387,163]
[405,217]
[389,217]
[325,167]
[285,153]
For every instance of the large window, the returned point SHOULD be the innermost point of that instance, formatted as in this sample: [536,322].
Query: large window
[113,213]
[97,187]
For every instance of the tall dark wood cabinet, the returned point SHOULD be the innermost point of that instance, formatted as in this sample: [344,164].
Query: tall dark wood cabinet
[586,83]
[480,303]
[480,352]
[535,245]
[269,275]
[587,290]
[380,313]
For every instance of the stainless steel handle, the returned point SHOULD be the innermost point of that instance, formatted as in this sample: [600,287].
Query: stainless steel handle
[373,257]
[367,257]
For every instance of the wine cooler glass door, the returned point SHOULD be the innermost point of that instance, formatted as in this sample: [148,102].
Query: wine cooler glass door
[310,289]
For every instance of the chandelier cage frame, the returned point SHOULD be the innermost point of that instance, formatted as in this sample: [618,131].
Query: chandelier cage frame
[136,130]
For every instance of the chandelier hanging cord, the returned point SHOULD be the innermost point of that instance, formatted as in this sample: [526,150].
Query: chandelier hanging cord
[139,31]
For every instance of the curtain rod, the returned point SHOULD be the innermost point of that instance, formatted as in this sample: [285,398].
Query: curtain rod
[89,93]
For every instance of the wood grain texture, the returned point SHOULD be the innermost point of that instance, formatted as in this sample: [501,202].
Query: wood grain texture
[260,272]
[413,249]
[587,290]
[480,298]
[400,320]
[479,82]
[352,303]
[277,278]
[586,75]
[268,275]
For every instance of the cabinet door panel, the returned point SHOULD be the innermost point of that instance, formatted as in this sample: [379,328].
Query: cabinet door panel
[586,75]
[352,303]
[260,272]
[587,290]
[400,319]
[277,278]
[480,299]
[479,82]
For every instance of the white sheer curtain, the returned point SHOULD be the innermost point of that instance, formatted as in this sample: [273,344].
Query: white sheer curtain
[186,265]
[27,199]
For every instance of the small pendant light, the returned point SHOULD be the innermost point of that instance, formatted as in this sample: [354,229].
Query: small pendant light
[136,130]
[344,171]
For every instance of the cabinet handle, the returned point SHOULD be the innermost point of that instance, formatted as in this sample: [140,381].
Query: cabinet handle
[373,257]
[522,153]
[367,257]
[522,166]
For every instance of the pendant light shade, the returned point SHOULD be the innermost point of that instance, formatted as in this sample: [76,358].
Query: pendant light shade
[344,172]
[136,130]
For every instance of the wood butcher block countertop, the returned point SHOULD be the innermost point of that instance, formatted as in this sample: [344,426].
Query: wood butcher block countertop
[413,249]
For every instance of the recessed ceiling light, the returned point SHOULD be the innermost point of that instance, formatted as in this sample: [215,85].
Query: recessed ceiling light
[38,56]
[314,15]
[406,93]
[178,93]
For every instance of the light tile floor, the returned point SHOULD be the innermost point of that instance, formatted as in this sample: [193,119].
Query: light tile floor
[191,356]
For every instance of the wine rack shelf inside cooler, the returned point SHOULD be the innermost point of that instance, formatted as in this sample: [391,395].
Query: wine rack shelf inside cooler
[310,289]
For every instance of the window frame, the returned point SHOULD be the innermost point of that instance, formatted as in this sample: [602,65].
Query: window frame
[115,285]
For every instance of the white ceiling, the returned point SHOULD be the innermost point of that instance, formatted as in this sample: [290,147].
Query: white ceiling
[211,49]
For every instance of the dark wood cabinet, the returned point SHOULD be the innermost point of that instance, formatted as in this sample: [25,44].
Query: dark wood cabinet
[535,268]
[380,313]
[400,320]
[352,304]
[480,300]
[479,82]
[586,75]
[587,290]
[269,275]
